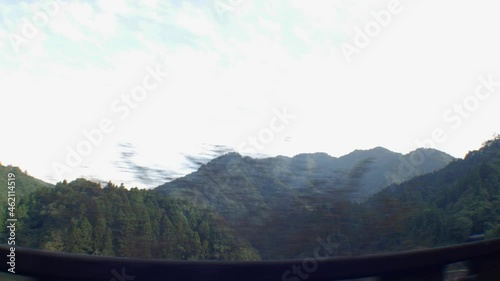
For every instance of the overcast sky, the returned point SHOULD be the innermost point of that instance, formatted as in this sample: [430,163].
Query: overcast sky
[267,77]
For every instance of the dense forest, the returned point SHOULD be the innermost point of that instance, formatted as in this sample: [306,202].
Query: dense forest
[449,205]
[443,207]
[437,209]
[81,217]
[27,182]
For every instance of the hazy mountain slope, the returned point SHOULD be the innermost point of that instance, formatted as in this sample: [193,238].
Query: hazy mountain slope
[232,177]
[255,194]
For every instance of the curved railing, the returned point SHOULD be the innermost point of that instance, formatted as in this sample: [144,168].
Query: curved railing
[482,258]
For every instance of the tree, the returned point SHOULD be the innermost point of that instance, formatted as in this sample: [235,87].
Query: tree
[460,229]
[80,237]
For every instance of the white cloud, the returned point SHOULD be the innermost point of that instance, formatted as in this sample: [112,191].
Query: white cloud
[194,20]
[115,6]
[153,4]
[227,76]
[105,23]
[66,27]
[4,41]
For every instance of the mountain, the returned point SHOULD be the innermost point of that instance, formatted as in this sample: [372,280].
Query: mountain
[449,205]
[440,208]
[253,194]
[24,184]
[233,183]
[273,208]
[83,217]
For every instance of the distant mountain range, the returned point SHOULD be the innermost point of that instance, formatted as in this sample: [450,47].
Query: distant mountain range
[254,195]
[235,207]
[239,186]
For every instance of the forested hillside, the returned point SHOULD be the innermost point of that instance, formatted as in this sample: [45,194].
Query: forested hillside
[246,217]
[439,208]
[285,198]
[436,209]
[81,217]
[449,205]
[26,184]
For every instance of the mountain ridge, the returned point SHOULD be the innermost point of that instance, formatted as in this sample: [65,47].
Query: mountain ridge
[252,193]
[283,220]
[307,161]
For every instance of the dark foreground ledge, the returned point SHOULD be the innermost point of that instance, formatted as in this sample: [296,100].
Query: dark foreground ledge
[483,258]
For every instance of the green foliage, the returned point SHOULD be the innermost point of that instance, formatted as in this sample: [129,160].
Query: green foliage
[81,217]
[441,208]
[452,204]
[24,183]
[250,211]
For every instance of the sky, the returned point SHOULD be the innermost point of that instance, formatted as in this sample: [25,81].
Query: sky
[99,88]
